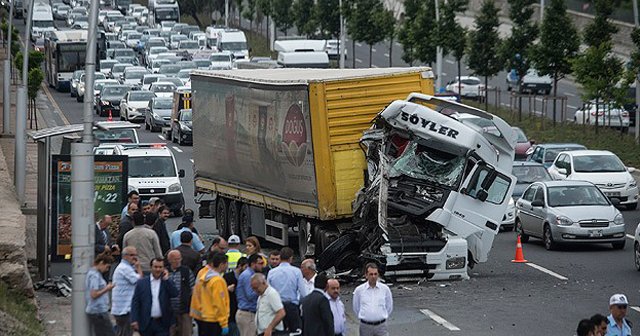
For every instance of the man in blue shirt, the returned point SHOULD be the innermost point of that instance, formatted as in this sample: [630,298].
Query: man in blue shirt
[196,243]
[247,298]
[618,325]
[125,278]
[97,296]
[289,283]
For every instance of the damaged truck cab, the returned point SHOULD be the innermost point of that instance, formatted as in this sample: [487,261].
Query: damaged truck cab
[438,185]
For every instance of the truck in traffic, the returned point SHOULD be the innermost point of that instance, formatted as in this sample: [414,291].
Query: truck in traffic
[163,11]
[280,150]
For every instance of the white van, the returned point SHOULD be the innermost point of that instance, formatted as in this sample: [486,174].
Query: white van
[233,41]
[42,20]
[153,172]
[299,45]
[211,34]
[308,59]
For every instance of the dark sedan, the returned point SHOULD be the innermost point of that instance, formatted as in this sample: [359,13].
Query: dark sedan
[109,100]
[181,131]
[158,114]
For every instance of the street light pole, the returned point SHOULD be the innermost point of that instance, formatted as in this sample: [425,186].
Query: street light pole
[637,122]
[226,13]
[342,47]
[438,53]
[541,10]
[82,189]
[20,170]
[6,86]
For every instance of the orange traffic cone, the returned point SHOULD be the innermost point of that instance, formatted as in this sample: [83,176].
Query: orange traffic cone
[110,118]
[519,255]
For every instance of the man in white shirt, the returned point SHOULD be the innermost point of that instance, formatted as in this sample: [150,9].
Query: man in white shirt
[125,278]
[308,268]
[269,310]
[337,307]
[372,304]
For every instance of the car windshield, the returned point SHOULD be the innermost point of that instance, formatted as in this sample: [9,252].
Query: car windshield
[551,153]
[167,24]
[169,69]
[176,81]
[158,50]
[597,164]
[185,115]
[150,79]
[163,87]
[107,64]
[99,85]
[177,38]
[124,52]
[135,36]
[189,45]
[114,90]
[135,74]
[118,135]
[141,95]
[160,62]
[184,74]
[576,196]
[421,162]
[151,166]
[118,68]
[233,45]
[42,24]
[220,58]
[202,63]
[520,137]
[530,174]
[162,104]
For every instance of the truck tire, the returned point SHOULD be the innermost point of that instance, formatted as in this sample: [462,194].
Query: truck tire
[303,237]
[341,254]
[222,220]
[245,221]
[233,215]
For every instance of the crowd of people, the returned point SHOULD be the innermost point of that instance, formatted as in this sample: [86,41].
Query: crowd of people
[615,324]
[164,284]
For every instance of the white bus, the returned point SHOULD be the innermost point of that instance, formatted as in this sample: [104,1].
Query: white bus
[65,52]
[163,11]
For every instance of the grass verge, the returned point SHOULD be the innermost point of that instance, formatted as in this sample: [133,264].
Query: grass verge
[542,130]
[20,315]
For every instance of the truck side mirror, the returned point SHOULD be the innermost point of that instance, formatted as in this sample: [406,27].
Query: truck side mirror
[563,171]
[181,173]
[482,195]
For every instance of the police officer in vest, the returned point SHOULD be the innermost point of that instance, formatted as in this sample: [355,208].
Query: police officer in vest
[234,253]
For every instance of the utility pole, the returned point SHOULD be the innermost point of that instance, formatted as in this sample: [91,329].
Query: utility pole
[226,13]
[82,189]
[6,87]
[637,122]
[438,53]
[541,10]
[21,114]
[342,46]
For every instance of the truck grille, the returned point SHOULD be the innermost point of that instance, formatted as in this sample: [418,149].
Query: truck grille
[594,223]
[151,191]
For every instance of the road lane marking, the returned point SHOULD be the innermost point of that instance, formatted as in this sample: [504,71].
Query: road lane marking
[55,104]
[374,66]
[177,149]
[450,61]
[191,160]
[358,60]
[439,320]
[386,54]
[630,236]
[569,94]
[358,44]
[635,308]
[161,137]
[551,273]
[444,73]
[373,50]
[572,107]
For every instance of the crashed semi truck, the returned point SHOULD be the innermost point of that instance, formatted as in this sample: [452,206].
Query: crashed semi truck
[360,164]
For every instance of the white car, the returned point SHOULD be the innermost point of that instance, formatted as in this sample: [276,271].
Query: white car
[154,52]
[509,218]
[134,105]
[221,61]
[149,79]
[332,49]
[608,116]
[154,65]
[466,86]
[602,168]
[163,89]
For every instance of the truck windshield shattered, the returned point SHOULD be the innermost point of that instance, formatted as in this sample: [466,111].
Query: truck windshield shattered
[421,162]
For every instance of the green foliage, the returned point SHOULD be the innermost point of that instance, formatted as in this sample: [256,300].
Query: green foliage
[264,6]
[20,310]
[407,30]
[449,30]
[559,43]
[484,44]
[369,22]
[33,84]
[600,75]
[193,8]
[601,29]
[249,11]
[35,61]
[282,14]
[518,47]
[304,18]
[328,18]
[425,33]
[635,54]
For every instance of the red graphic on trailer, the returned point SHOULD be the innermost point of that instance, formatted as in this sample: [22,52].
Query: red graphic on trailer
[294,136]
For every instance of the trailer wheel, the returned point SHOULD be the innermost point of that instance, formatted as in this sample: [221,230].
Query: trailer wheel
[222,220]
[304,227]
[245,221]
[341,254]
[233,217]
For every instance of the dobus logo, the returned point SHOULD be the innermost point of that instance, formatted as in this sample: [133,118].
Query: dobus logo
[294,136]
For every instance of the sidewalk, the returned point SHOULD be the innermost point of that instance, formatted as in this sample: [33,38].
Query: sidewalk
[55,312]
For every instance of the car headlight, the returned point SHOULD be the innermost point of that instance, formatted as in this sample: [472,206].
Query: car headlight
[155,116]
[175,187]
[632,184]
[562,220]
[105,102]
[618,220]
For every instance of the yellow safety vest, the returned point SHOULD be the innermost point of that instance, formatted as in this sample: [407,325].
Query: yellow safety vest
[233,257]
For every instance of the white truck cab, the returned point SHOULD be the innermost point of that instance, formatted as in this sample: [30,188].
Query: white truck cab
[42,20]
[153,172]
[233,41]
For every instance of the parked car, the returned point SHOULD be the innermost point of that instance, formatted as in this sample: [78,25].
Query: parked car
[532,82]
[134,104]
[158,114]
[181,131]
[546,153]
[569,212]
[602,168]
[608,116]
[466,86]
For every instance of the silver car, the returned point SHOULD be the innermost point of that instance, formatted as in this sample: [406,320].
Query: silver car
[569,212]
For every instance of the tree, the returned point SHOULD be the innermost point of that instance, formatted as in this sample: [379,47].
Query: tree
[193,8]
[265,7]
[452,36]
[372,23]
[328,18]
[353,16]
[282,14]
[425,34]
[391,27]
[517,48]
[484,44]
[407,29]
[559,44]
[601,29]
[249,12]
[35,61]
[304,18]
[33,86]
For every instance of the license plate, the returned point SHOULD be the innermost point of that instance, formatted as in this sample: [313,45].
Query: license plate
[595,233]
[612,194]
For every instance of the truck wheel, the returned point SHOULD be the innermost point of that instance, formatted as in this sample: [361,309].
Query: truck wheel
[304,228]
[233,215]
[245,221]
[341,254]
[222,220]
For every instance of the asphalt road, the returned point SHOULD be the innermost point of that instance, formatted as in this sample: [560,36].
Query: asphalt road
[547,296]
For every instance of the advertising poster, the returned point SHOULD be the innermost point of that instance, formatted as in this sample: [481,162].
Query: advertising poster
[110,196]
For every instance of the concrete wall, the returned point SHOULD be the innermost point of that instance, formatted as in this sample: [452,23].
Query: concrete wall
[13,259]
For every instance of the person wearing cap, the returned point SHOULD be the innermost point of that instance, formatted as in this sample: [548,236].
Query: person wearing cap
[618,325]
[187,226]
[234,253]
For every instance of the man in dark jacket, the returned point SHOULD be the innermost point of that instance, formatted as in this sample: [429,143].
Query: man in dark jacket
[126,223]
[317,319]
[184,280]
[160,228]
[190,257]
[151,312]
